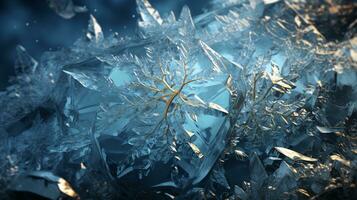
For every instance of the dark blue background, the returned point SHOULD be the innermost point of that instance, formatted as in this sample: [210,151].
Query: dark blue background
[34,25]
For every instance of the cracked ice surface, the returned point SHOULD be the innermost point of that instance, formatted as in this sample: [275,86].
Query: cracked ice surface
[176,108]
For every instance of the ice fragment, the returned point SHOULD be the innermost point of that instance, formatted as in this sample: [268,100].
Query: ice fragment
[294,155]
[24,62]
[149,16]
[94,32]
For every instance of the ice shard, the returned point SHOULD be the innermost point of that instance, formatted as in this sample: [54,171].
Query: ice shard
[94,32]
[188,27]
[24,62]
[150,17]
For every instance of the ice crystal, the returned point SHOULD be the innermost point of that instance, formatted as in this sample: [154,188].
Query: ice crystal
[241,101]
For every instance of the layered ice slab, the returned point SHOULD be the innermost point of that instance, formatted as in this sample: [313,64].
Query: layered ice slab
[162,105]
[175,111]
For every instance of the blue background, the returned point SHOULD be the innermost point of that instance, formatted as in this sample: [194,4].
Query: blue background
[32,24]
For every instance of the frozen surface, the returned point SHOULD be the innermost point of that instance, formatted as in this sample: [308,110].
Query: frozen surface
[247,101]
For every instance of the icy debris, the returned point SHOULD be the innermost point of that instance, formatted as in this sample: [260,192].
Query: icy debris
[188,108]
